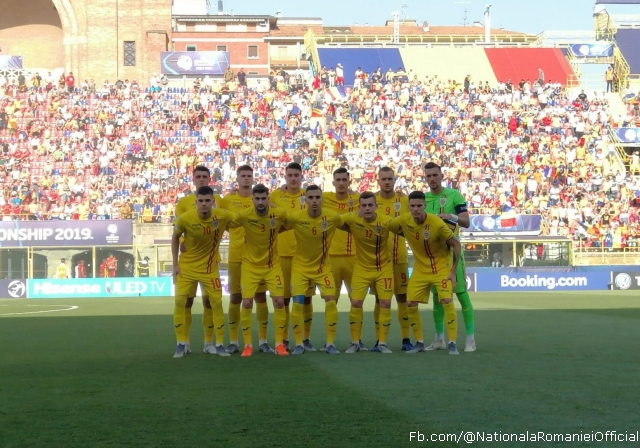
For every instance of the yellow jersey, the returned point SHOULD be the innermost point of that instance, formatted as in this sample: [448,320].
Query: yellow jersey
[63,271]
[260,234]
[314,236]
[394,207]
[189,203]
[428,241]
[290,203]
[371,241]
[342,243]
[202,238]
[236,203]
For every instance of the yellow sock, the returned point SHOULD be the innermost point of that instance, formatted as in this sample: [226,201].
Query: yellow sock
[280,322]
[287,318]
[331,321]
[385,323]
[246,319]
[354,322]
[415,320]
[218,320]
[180,320]
[297,322]
[188,321]
[451,321]
[360,321]
[403,320]
[262,315]
[234,322]
[376,319]
[307,312]
[207,324]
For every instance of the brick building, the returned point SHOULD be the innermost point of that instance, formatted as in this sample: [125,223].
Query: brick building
[255,43]
[101,39]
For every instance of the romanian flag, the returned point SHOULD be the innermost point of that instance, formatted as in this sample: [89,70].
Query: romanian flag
[317,112]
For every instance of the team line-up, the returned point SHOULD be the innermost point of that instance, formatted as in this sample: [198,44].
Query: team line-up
[292,240]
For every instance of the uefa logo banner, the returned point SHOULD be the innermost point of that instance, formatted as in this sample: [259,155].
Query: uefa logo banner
[13,288]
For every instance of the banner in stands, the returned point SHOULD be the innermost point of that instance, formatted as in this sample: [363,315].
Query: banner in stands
[628,135]
[625,280]
[592,50]
[95,288]
[194,62]
[13,288]
[506,223]
[543,281]
[65,233]
[10,62]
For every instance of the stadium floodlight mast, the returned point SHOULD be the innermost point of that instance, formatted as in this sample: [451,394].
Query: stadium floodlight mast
[396,27]
[487,25]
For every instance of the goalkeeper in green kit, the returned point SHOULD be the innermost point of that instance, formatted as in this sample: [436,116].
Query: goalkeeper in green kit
[451,207]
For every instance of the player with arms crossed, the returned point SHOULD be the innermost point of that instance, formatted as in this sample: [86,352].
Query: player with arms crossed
[201,178]
[261,263]
[449,205]
[391,204]
[373,267]
[314,228]
[202,230]
[342,250]
[238,201]
[432,242]
[291,198]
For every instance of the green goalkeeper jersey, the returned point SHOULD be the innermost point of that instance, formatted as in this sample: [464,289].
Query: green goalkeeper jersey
[448,201]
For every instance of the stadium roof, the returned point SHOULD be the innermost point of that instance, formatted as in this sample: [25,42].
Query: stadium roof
[328,30]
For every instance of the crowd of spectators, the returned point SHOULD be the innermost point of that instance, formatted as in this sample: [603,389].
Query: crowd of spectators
[85,150]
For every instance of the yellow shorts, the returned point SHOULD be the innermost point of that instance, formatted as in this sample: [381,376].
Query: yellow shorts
[187,284]
[400,278]
[286,263]
[420,285]
[303,282]
[381,281]
[234,279]
[252,276]
[342,268]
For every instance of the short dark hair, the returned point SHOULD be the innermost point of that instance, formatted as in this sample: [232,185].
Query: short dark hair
[260,189]
[205,190]
[341,170]
[366,195]
[293,166]
[244,168]
[202,168]
[313,188]
[386,168]
[431,165]
[417,195]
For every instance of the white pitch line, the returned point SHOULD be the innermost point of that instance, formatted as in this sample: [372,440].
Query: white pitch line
[69,308]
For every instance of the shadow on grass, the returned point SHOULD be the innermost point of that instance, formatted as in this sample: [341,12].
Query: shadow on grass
[93,381]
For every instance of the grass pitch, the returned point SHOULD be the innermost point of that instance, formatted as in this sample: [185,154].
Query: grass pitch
[102,375]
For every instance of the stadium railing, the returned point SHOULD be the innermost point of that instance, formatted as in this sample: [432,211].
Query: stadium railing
[602,256]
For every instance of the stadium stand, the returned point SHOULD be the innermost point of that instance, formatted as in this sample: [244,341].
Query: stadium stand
[523,63]
[446,64]
[368,59]
[126,151]
[627,40]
